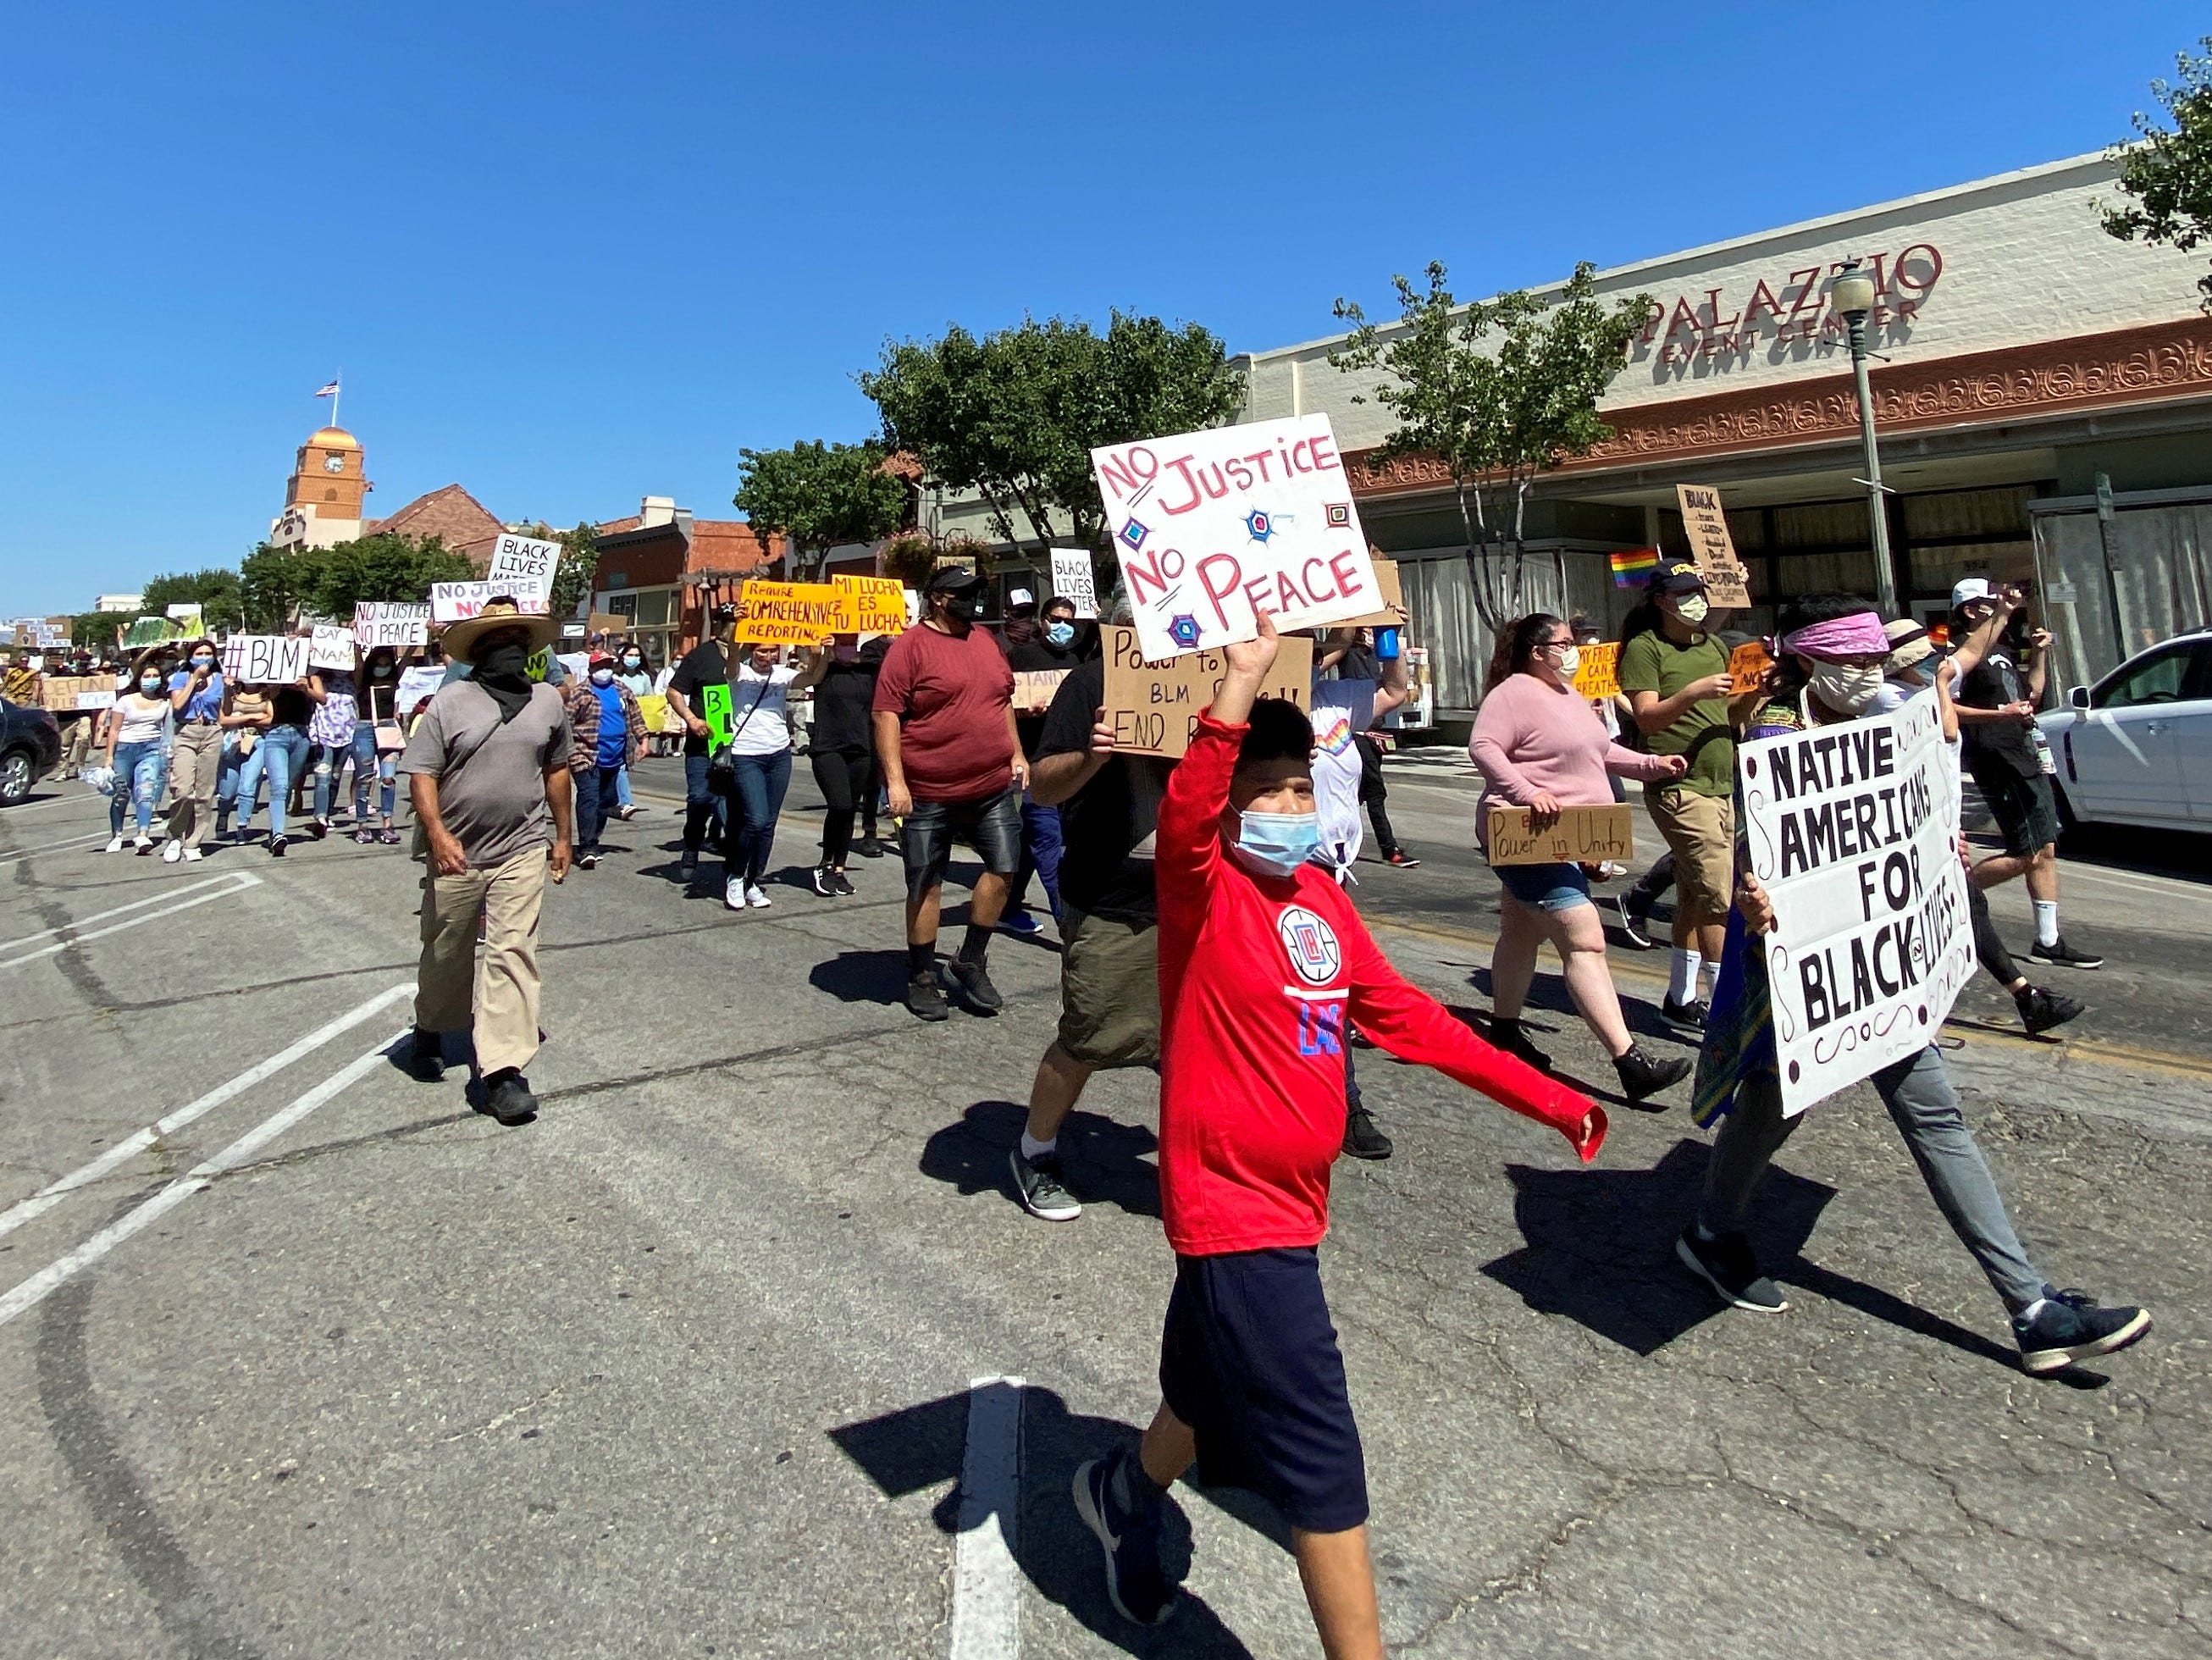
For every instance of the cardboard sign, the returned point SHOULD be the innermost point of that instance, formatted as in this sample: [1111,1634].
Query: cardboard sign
[520,566]
[333,647]
[1385,584]
[1580,836]
[265,660]
[789,613]
[1853,831]
[1214,528]
[388,623]
[1748,666]
[1071,581]
[416,683]
[1153,704]
[1597,674]
[453,602]
[1034,689]
[870,605]
[66,694]
[1727,583]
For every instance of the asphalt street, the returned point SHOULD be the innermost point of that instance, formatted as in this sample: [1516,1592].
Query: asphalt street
[328,1363]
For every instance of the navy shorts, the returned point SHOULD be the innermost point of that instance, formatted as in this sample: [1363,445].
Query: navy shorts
[1249,1361]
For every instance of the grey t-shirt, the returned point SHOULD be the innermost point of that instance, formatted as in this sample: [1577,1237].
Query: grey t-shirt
[494,801]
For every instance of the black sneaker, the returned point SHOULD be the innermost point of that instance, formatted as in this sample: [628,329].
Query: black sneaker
[426,1057]
[506,1098]
[973,986]
[688,866]
[925,998]
[276,846]
[1037,1183]
[1634,919]
[1643,1073]
[2063,956]
[1135,1582]
[319,827]
[1361,1139]
[2041,1010]
[1507,1036]
[588,861]
[1687,1018]
[2070,1327]
[1399,858]
[841,883]
[1726,1265]
[869,848]
[824,883]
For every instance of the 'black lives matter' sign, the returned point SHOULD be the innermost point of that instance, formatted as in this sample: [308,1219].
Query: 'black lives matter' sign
[1854,833]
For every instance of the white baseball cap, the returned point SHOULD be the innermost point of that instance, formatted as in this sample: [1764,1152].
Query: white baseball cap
[1020,597]
[1972,588]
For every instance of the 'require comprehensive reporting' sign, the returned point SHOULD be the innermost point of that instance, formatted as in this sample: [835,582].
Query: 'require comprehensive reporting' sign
[1214,528]
[1853,831]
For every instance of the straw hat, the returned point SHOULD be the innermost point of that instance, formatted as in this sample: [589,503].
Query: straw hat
[1908,644]
[460,638]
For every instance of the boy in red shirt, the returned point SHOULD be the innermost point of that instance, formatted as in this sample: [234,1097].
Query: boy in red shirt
[1262,958]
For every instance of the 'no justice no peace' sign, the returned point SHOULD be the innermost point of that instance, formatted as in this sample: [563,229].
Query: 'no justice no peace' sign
[1214,528]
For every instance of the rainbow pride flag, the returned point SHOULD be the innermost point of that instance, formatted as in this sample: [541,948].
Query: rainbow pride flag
[1633,568]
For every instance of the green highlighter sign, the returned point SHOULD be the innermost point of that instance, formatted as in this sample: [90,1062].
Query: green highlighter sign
[714,710]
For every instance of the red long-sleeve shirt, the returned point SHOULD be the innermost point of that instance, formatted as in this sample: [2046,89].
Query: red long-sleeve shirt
[1256,976]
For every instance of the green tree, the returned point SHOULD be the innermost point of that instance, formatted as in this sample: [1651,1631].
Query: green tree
[217,590]
[97,631]
[574,577]
[1498,391]
[1014,415]
[819,497]
[278,585]
[2169,173]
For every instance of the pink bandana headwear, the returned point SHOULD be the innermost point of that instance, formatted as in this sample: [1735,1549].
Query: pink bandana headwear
[1859,634]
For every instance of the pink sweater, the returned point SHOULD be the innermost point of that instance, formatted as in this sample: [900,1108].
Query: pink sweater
[1531,736]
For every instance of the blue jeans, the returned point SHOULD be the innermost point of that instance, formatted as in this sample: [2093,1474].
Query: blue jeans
[367,764]
[622,788]
[701,806]
[1041,851]
[595,800]
[140,771]
[281,752]
[761,780]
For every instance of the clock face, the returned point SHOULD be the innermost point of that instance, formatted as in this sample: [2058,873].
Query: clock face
[334,464]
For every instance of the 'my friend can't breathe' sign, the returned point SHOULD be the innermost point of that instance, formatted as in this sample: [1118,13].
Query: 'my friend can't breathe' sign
[1214,528]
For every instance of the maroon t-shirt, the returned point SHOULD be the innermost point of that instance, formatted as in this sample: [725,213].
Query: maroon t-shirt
[950,694]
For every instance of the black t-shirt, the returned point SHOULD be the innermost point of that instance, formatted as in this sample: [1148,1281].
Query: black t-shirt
[842,698]
[1991,684]
[1106,827]
[288,707]
[704,665]
[1036,657]
[1359,662]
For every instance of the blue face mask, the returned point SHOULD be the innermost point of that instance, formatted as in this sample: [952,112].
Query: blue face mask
[1059,634]
[1277,843]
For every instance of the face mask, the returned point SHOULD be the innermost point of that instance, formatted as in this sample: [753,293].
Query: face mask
[1570,660]
[1060,634]
[1277,843]
[382,670]
[511,661]
[603,677]
[1692,608]
[965,606]
[1846,689]
[632,662]
[203,662]
[845,654]
[149,683]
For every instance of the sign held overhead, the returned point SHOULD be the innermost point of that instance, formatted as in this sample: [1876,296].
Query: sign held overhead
[1727,582]
[1153,704]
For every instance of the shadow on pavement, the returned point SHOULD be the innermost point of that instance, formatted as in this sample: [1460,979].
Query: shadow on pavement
[862,976]
[1102,1161]
[1600,1245]
[904,1452]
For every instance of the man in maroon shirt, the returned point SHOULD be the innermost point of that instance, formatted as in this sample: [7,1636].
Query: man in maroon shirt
[953,769]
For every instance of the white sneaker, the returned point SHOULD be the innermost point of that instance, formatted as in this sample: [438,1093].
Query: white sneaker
[755,898]
[172,851]
[115,845]
[142,843]
[193,855]
[733,893]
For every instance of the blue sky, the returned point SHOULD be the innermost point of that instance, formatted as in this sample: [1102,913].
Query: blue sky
[571,254]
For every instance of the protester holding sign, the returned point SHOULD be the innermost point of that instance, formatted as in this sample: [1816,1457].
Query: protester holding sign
[196,757]
[953,769]
[334,691]
[760,764]
[244,717]
[1262,960]
[1539,746]
[1051,649]
[133,754]
[841,749]
[1832,651]
[282,754]
[486,767]
[711,663]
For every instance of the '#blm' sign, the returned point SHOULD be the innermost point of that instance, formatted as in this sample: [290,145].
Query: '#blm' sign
[1854,834]
[1214,528]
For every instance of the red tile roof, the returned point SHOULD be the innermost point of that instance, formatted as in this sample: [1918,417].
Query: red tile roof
[451,514]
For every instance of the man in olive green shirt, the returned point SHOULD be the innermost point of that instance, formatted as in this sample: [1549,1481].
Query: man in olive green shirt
[1676,679]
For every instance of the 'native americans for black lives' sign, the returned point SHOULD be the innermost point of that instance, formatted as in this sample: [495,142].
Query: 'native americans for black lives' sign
[1853,831]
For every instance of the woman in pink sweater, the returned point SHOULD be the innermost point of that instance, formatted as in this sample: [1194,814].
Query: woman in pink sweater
[1541,745]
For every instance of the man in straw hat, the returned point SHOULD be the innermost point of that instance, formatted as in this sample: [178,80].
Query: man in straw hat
[489,757]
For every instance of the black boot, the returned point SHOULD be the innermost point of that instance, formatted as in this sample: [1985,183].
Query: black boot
[1643,1075]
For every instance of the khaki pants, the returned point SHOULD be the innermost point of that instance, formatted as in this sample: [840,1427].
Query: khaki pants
[76,744]
[194,764]
[504,993]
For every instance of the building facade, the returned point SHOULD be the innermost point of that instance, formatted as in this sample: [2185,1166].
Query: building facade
[323,497]
[661,570]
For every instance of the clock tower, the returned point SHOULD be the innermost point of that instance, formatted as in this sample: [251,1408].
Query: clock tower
[323,497]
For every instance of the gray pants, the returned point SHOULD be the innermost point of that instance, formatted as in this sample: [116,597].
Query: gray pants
[1920,1098]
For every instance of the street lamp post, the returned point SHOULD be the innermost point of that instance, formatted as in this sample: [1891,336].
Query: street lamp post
[1852,293]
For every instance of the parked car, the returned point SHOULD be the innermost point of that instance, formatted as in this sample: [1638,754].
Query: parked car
[2136,747]
[30,748]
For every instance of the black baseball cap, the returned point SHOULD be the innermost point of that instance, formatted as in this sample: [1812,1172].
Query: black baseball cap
[1673,575]
[726,612]
[953,579]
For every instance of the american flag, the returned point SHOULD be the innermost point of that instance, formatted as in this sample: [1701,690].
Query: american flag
[330,391]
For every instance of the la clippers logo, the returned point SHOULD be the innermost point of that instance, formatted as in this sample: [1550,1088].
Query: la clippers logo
[1310,946]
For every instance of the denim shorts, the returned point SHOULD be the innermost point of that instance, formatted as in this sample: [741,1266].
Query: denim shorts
[1547,887]
[992,824]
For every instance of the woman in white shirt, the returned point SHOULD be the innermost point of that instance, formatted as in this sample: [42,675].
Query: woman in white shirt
[760,763]
[135,729]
